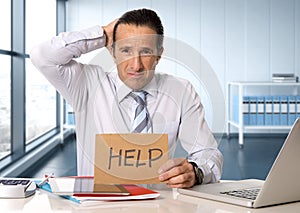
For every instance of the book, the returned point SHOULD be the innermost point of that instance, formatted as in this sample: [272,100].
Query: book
[84,186]
[135,192]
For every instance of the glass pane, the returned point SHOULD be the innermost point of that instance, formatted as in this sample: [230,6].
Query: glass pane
[40,21]
[5,145]
[40,103]
[5,23]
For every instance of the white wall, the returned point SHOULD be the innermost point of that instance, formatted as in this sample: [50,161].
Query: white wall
[241,40]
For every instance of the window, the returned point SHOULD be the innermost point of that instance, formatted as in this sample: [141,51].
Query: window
[40,21]
[5,24]
[29,115]
[40,95]
[40,103]
[5,87]
[5,145]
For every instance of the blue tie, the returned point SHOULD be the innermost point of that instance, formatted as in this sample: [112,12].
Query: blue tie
[141,122]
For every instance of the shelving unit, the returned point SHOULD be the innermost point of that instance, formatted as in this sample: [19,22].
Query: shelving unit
[237,90]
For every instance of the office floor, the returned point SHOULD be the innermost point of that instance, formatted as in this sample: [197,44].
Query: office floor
[253,161]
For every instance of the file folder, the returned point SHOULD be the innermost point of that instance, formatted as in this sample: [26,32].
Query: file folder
[246,109]
[297,106]
[268,110]
[253,110]
[260,110]
[235,109]
[283,110]
[276,110]
[291,110]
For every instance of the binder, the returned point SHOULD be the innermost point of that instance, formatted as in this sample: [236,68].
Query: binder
[276,110]
[253,110]
[235,109]
[291,110]
[283,110]
[246,110]
[297,106]
[71,118]
[268,110]
[260,110]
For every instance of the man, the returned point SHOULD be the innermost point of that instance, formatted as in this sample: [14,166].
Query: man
[103,101]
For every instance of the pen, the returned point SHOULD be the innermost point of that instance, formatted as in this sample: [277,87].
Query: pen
[45,180]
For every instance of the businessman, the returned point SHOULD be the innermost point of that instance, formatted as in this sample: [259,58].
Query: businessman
[133,99]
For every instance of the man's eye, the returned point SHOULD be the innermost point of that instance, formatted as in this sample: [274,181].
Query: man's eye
[125,51]
[146,52]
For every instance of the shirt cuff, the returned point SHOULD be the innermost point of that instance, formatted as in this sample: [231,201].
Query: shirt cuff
[207,176]
[92,33]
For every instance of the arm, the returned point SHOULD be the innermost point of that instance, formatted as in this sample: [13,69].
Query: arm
[198,141]
[54,58]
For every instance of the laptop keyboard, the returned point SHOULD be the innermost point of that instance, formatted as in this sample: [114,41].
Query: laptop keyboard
[250,194]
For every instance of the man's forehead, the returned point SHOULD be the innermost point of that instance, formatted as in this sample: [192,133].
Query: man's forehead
[140,40]
[131,30]
[134,29]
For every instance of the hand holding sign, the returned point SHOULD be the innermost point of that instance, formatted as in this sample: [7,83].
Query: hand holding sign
[178,173]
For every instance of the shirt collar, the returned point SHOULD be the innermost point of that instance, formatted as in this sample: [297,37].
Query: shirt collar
[123,90]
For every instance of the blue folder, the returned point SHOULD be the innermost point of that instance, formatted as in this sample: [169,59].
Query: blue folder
[253,110]
[268,110]
[276,110]
[260,110]
[291,109]
[284,110]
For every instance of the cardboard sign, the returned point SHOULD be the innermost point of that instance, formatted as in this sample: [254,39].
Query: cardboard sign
[129,158]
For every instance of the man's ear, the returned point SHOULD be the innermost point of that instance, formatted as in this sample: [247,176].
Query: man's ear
[159,55]
[115,60]
[112,52]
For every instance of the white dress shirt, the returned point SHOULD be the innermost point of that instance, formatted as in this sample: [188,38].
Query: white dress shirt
[101,103]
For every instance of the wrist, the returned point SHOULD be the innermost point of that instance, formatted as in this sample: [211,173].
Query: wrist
[105,36]
[198,174]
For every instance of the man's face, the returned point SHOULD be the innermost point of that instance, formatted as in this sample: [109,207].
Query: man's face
[136,54]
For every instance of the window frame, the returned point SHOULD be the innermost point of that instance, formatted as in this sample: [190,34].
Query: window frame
[19,148]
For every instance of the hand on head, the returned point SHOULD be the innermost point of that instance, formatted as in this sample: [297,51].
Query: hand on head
[108,30]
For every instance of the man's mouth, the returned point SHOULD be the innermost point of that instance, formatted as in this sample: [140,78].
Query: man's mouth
[136,74]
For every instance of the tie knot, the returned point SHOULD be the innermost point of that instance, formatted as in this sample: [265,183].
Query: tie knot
[139,97]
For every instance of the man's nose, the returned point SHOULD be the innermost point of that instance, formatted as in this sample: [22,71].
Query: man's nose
[135,63]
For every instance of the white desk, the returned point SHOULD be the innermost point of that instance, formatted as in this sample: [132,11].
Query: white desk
[169,201]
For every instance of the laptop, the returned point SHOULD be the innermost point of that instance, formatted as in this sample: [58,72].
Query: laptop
[282,184]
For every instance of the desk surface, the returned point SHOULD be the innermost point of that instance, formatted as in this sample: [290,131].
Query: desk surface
[169,201]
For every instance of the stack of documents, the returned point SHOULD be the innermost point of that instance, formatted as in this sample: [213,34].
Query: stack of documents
[284,78]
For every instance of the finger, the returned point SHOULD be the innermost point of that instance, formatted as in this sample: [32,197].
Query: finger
[183,174]
[175,171]
[182,181]
[187,184]
[108,29]
[171,164]
[183,167]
